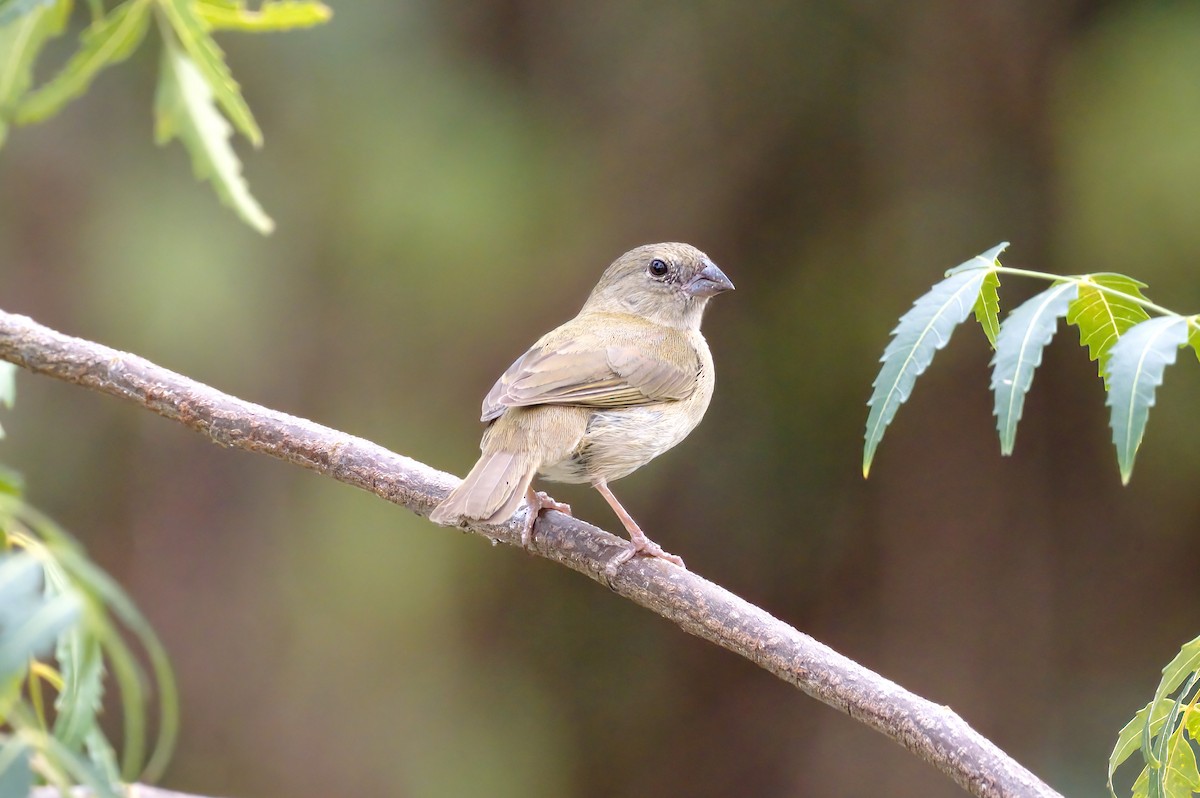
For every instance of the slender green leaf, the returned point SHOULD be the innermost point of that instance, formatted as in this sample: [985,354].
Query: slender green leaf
[1175,768]
[209,63]
[1103,316]
[1152,716]
[12,483]
[1181,666]
[987,307]
[35,634]
[21,40]
[8,388]
[16,775]
[1019,346]
[80,701]
[102,756]
[272,15]
[106,42]
[1135,370]
[923,330]
[125,669]
[1180,776]
[11,10]
[72,764]
[184,109]
[8,383]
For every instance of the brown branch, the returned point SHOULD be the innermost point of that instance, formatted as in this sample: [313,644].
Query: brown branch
[932,732]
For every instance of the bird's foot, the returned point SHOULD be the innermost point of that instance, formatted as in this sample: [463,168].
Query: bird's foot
[641,545]
[537,501]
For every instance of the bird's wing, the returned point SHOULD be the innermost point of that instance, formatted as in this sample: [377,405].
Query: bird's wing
[593,370]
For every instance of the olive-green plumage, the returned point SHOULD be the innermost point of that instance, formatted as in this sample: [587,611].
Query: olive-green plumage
[602,395]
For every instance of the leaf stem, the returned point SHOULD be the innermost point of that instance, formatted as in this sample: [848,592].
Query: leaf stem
[1081,279]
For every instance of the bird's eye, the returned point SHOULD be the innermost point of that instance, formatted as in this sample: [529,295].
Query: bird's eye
[658,268]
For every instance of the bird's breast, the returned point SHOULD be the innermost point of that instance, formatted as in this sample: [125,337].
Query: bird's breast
[619,441]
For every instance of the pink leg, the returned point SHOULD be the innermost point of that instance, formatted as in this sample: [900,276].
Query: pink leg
[641,543]
[538,501]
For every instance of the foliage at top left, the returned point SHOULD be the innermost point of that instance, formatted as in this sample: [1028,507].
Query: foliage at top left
[197,100]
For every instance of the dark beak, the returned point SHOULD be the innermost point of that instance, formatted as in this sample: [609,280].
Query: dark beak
[707,282]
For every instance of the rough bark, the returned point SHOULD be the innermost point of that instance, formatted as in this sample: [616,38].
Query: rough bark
[933,732]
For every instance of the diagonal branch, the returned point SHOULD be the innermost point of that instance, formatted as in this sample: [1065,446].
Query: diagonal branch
[932,732]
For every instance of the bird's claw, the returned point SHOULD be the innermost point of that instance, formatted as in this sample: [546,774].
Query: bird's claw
[644,546]
[538,500]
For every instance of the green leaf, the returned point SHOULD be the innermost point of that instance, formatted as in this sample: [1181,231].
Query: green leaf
[128,675]
[1135,370]
[1194,334]
[16,775]
[1179,774]
[184,109]
[985,260]
[8,383]
[1181,666]
[8,392]
[1150,717]
[923,330]
[209,62]
[11,483]
[11,10]
[79,702]
[35,633]
[109,41]
[1019,346]
[272,15]
[987,307]
[21,40]
[1103,316]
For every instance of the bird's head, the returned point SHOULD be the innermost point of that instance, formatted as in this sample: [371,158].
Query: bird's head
[668,284]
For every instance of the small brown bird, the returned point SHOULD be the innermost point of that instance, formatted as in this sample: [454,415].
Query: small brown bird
[599,397]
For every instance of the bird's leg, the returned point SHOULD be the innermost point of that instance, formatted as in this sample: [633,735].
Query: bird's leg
[538,501]
[641,543]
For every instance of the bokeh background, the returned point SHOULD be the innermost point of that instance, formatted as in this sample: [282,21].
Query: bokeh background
[448,180]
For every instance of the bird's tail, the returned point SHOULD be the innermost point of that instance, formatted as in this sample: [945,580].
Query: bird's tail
[491,492]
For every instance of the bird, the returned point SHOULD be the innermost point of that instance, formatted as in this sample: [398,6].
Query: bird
[598,397]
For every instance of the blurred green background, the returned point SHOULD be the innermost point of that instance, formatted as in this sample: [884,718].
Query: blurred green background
[448,180]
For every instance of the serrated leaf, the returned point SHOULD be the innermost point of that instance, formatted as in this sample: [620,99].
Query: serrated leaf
[1135,370]
[81,697]
[1102,316]
[109,41]
[184,108]
[21,40]
[1019,346]
[99,585]
[1152,716]
[923,330]
[1181,666]
[987,307]
[272,15]
[209,62]
[985,260]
